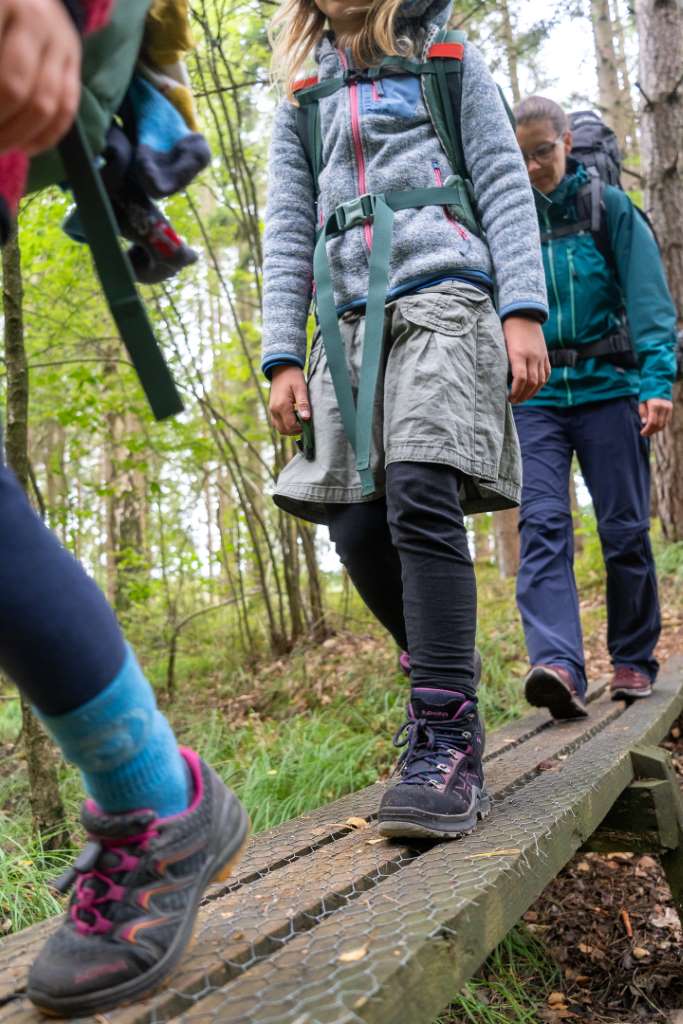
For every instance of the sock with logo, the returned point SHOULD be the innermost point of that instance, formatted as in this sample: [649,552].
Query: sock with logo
[124,747]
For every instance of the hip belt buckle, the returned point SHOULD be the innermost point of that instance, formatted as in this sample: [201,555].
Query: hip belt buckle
[356,211]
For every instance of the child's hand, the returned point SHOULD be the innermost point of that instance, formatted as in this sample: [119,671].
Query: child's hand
[289,392]
[40,71]
[528,357]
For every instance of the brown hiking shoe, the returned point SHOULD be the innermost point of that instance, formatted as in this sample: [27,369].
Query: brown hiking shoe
[553,687]
[629,684]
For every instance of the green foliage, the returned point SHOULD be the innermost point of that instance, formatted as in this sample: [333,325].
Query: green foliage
[511,989]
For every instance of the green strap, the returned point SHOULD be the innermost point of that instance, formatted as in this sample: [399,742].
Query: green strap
[357,417]
[116,277]
[378,286]
[387,67]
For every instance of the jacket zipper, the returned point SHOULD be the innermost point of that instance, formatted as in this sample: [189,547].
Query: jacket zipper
[572,275]
[357,143]
[553,279]
[438,178]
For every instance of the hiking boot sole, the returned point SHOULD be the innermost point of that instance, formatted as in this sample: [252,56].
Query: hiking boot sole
[543,689]
[217,870]
[412,823]
[630,696]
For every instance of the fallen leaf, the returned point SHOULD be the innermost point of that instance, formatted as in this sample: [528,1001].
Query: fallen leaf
[647,863]
[373,842]
[584,948]
[583,866]
[667,919]
[356,822]
[676,733]
[556,998]
[640,953]
[531,915]
[350,956]
[549,765]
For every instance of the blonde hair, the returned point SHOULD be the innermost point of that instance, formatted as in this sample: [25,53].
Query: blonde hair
[298,27]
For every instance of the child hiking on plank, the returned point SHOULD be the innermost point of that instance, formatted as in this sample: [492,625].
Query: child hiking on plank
[161,824]
[397,186]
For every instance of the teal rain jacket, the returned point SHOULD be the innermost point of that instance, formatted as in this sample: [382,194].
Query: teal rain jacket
[586,298]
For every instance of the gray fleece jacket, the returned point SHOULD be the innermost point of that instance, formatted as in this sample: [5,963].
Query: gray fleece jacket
[378,137]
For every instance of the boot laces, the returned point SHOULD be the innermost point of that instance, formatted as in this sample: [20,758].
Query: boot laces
[430,748]
[96,889]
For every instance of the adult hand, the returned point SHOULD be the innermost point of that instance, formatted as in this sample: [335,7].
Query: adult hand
[40,74]
[655,415]
[287,394]
[528,357]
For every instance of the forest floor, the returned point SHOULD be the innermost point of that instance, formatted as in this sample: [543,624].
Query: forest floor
[302,730]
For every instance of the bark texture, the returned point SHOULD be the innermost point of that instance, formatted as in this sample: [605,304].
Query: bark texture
[611,98]
[506,529]
[46,804]
[660,30]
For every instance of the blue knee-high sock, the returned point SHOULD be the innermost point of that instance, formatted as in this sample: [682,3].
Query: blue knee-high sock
[124,747]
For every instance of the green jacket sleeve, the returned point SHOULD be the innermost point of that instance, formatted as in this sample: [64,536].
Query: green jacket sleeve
[649,307]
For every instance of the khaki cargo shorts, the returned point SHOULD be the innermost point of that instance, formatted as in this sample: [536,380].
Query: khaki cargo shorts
[441,397]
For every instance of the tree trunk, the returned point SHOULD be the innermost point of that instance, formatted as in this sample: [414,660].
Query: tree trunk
[628,108]
[506,530]
[611,99]
[660,29]
[508,37]
[46,804]
[320,628]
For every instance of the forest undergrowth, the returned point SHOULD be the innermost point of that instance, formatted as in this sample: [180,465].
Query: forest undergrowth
[302,730]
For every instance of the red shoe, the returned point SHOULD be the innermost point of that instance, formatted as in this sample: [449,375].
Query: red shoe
[628,684]
[553,687]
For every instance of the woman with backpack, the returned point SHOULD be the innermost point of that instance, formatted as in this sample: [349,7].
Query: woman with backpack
[405,413]
[611,337]
[161,824]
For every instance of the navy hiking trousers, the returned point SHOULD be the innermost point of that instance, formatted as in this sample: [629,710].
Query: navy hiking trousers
[615,462]
[59,639]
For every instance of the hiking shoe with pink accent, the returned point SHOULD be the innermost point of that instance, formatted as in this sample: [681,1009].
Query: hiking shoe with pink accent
[553,687]
[629,684]
[440,793]
[138,884]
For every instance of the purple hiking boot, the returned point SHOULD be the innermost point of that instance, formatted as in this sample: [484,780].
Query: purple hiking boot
[138,885]
[441,792]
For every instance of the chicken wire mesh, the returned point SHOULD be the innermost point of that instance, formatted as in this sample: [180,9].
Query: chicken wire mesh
[326,922]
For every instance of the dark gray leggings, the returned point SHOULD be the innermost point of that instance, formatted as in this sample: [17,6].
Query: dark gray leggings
[408,557]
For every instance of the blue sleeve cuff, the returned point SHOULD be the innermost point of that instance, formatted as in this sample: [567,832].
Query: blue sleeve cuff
[284,359]
[535,311]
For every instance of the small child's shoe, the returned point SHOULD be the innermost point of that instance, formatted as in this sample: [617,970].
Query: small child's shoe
[441,791]
[138,885]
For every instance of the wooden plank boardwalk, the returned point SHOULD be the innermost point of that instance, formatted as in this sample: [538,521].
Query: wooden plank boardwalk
[327,923]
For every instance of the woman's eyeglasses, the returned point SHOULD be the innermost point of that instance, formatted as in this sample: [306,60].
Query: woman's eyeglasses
[543,154]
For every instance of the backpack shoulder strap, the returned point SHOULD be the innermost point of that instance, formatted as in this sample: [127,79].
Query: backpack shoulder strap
[443,95]
[308,125]
[590,208]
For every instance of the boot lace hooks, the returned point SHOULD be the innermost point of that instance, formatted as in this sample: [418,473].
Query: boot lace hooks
[425,746]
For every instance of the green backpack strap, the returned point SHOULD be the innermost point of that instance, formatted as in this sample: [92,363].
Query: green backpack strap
[116,277]
[442,86]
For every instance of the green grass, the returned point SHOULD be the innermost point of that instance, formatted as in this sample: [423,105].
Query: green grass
[319,724]
[512,987]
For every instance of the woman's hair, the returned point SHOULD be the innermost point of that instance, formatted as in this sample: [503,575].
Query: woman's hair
[299,25]
[539,108]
